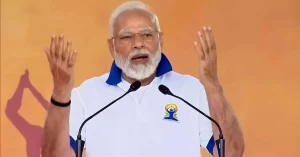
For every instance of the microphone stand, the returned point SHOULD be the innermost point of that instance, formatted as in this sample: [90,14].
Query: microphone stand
[79,142]
[221,141]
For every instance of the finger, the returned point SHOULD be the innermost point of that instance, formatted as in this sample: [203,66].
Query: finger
[198,50]
[53,45]
[212,39]
[207,38]
[72,60]
[59,46]
[67,51]
[213,52]
[48,54]
[203,44]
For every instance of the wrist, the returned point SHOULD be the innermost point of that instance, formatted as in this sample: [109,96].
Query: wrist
[61,97]
[213,87]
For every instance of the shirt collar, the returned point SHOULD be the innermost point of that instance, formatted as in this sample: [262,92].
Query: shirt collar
[114,77]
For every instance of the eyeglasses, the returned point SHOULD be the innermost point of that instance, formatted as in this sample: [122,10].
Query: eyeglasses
[128,37]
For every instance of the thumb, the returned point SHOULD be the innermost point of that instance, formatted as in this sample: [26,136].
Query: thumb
[47,52]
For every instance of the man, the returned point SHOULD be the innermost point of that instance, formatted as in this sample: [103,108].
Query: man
[145,122]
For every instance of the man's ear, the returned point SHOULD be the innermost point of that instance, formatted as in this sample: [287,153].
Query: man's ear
[161,41]
[110,43]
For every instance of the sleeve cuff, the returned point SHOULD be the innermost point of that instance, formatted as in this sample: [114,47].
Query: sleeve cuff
[210,145]
[73,143]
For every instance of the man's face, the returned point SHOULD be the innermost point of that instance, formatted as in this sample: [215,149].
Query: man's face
[136,46]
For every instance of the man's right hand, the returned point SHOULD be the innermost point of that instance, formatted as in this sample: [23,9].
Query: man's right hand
[61,60]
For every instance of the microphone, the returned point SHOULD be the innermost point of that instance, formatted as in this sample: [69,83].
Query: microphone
[80,143]
[221,141]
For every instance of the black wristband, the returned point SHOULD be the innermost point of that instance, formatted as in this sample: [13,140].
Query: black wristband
[59,104]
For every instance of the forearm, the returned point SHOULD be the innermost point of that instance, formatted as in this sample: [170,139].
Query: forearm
[222,112]
[55,141]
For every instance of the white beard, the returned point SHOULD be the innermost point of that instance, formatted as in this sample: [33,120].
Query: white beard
[138,71]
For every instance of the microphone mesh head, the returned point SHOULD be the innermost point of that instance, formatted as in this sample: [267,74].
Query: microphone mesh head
[163,89]
[135,85]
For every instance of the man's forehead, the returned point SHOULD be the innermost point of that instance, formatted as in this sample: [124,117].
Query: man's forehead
[134,21]
[143,29]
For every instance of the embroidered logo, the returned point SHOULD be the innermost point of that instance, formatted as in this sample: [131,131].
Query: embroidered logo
[171,112]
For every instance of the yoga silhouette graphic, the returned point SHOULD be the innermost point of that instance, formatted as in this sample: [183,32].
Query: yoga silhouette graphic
[31,133]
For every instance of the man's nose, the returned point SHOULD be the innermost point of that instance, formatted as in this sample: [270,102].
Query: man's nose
[137,42]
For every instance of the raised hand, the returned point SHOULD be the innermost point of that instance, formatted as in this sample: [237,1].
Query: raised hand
[206,49]
[61,60]
[219,106]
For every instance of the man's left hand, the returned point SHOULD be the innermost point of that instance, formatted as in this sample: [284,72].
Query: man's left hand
[206,49]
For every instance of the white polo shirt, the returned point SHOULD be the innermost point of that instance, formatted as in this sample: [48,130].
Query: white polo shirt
[145,122]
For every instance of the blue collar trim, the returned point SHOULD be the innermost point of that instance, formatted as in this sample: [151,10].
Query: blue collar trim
[114,77]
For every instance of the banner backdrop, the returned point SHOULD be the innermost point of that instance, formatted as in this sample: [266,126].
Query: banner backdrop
[258,50]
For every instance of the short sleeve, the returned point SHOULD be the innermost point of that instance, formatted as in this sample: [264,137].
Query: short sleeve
[76,118]
[205,125]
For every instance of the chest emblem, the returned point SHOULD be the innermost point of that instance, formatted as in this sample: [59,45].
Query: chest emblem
[171,112]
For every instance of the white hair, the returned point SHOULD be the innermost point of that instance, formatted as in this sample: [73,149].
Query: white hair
[127,6]
[138,71]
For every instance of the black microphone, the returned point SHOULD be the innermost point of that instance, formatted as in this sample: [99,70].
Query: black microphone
[80,143]
[221,141]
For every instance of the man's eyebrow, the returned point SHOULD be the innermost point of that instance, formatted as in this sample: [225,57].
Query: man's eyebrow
[147,29]
[123,31]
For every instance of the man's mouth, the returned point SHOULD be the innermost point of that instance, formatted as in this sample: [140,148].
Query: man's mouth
[139,57]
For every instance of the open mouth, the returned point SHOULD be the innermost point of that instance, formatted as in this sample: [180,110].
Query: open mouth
[138,57]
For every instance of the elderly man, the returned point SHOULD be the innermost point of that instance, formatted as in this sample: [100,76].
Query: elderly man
[145,122]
